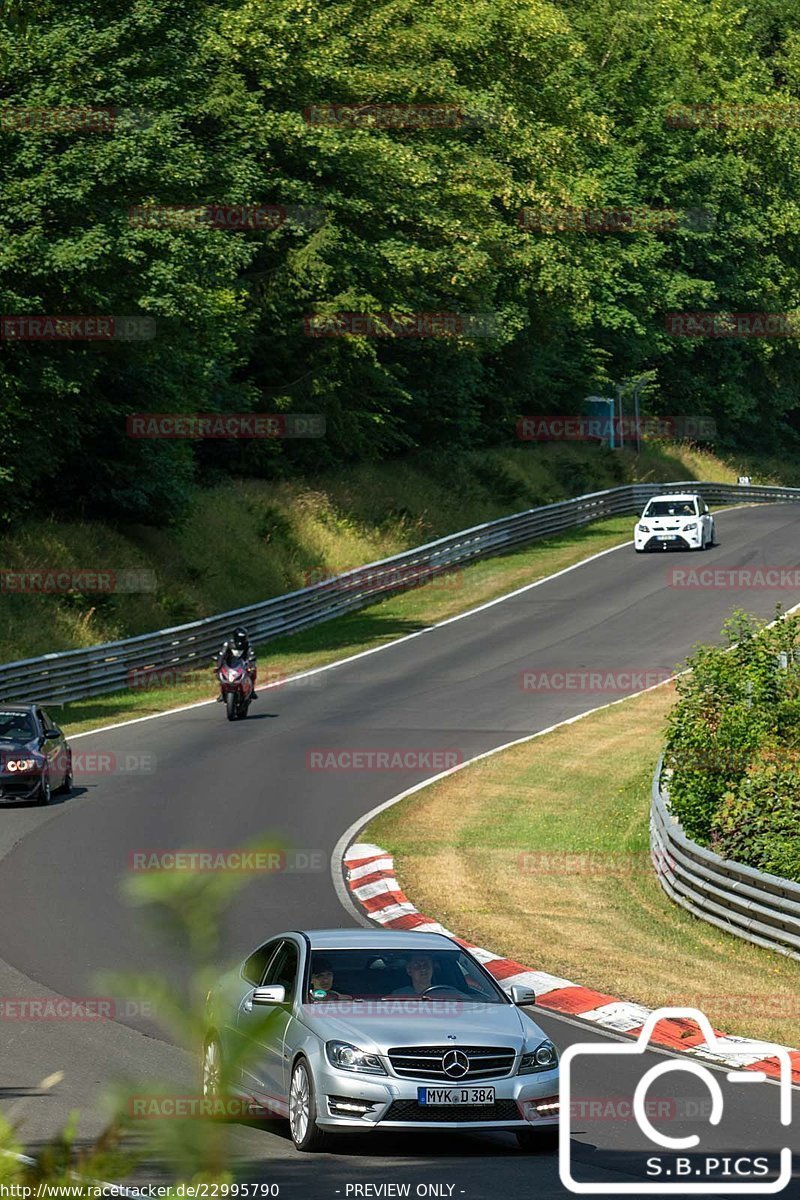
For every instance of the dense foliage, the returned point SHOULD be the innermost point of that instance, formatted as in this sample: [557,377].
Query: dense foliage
[566,105]
[733,746]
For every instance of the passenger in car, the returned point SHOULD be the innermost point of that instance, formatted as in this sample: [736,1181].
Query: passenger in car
[322,981]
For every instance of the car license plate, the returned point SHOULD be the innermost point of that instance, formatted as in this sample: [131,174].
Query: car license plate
[455,1095]
[668,537]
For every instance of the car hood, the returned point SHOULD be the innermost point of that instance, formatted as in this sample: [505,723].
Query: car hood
[13,745]
[489,1024]
[680,521]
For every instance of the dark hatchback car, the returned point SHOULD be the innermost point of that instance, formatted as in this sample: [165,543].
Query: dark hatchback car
[35,760]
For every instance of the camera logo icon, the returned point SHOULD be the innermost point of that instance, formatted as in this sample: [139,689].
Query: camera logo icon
[671,1171]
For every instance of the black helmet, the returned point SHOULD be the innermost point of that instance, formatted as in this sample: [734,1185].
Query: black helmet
[240,637]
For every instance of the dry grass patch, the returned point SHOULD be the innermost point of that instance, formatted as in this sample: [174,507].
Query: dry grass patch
[541,853]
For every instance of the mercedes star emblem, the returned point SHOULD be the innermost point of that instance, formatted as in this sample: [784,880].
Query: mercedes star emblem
[455,1064]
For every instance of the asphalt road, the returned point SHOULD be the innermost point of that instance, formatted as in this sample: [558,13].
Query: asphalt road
[194,781]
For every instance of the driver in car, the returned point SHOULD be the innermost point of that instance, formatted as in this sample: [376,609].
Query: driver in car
[419,969]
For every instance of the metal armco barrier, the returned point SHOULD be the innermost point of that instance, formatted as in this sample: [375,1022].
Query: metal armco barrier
[753,905]
[75,674]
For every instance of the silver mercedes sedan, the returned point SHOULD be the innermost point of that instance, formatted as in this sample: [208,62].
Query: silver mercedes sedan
[352,1030]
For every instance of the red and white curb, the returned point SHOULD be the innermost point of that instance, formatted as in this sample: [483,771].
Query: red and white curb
[371,881]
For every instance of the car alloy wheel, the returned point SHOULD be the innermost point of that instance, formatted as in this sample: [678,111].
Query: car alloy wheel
[303,1110]
[299,1102]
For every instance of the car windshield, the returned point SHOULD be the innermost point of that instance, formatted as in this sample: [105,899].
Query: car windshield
[16,726]
[670,508]
[429,975]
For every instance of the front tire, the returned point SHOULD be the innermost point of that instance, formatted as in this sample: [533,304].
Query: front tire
[230,704]
[537,1141]
[306,1135]
[45,793]
[66,786]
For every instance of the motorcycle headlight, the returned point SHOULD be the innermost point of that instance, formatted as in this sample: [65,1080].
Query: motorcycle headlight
[351,1058]
[20,764]
[544,1058]
[644,529]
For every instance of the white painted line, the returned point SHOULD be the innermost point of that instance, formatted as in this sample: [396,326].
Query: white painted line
[341,662]
[351,833]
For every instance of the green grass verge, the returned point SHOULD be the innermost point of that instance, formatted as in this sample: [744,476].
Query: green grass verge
[248,540]
[540,853]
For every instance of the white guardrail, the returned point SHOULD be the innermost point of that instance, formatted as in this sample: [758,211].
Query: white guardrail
[75,674]
[761,908]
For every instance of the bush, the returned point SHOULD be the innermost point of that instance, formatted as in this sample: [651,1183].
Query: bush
[759,824]
[732,745]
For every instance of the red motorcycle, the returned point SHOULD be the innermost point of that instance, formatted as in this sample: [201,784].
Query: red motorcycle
[237,686]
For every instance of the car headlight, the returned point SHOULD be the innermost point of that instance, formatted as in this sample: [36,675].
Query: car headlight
[351,1058]
[20,764]
[644,529]
[689,528]
[544,1058]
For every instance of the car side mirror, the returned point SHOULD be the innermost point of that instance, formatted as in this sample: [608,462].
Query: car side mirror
[274,994]
[522,995]
[52,734]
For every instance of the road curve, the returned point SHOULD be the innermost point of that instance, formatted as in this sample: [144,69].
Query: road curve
[209,784]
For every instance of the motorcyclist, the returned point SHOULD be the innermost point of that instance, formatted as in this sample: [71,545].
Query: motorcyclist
[238,646]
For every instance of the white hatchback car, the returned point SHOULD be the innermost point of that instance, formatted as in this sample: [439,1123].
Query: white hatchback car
[680,522]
